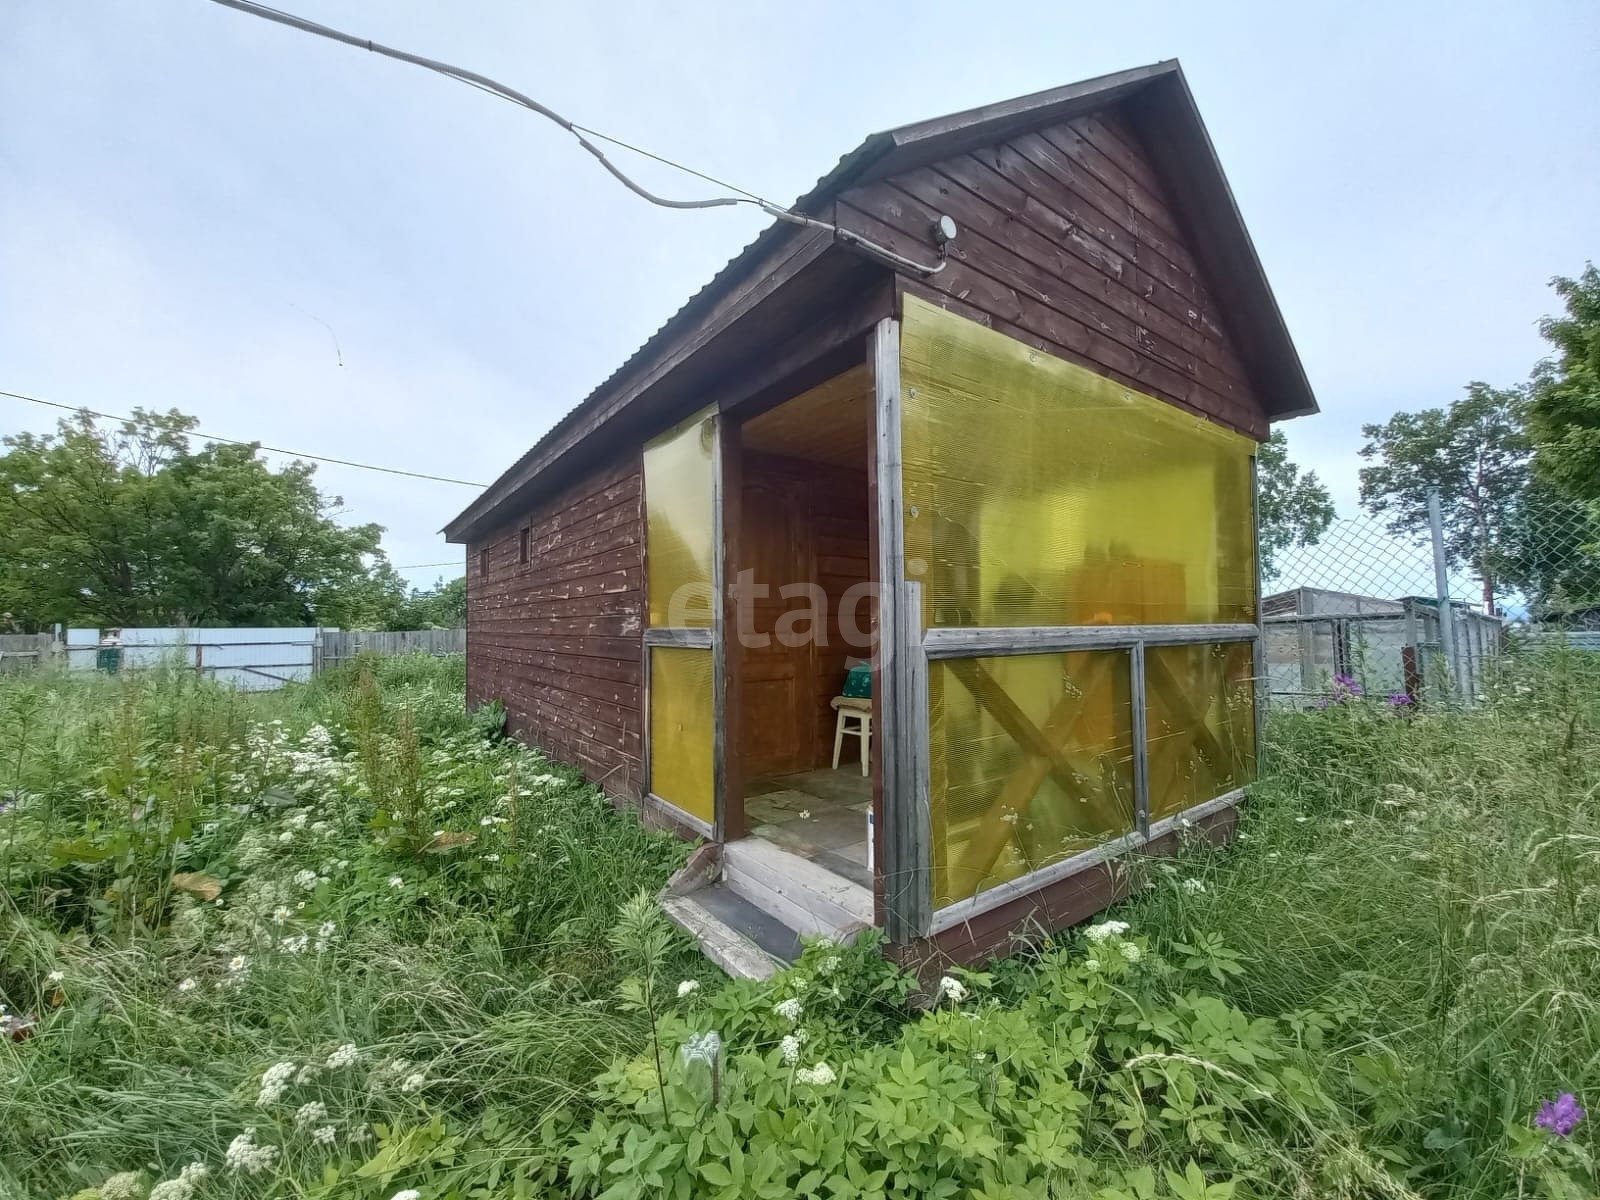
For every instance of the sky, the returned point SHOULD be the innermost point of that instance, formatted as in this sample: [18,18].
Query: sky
[202,210]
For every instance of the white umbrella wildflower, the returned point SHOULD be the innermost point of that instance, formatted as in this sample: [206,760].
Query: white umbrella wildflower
[125,1185]
[243,1155]
[1105,929]
[702,1047]
[820,1075]
[273,1080]
[184,1186]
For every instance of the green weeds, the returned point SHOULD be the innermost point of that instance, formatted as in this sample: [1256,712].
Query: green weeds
[344,941]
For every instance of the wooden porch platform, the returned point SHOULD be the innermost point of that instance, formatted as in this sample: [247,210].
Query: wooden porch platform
[819,815]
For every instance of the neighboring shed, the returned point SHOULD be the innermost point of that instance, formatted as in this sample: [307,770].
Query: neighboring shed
[1386,645]
[1011,468]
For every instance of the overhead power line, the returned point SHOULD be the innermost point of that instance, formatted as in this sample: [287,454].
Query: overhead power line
[583,133]
[455,562]
[212,437]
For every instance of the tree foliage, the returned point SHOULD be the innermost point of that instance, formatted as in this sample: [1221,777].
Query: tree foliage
[1550,550]
[1293,507]
[128,526]
[1475,452]
[443,606]
[1501,519]
[1565,411]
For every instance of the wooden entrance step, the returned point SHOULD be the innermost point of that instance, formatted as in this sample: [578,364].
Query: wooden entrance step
[748,903]
[804,896]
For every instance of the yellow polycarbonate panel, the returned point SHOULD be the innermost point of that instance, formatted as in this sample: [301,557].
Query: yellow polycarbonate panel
[680,502]
[681,730]
[1200,719]
[1039,493]
[1030,761]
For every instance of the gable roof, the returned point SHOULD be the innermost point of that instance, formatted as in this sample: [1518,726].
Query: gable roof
[1158,104]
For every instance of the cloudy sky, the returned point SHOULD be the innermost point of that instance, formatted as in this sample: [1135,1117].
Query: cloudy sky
[197,207]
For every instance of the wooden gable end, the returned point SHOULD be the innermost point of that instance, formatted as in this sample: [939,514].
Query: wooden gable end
[1068,241]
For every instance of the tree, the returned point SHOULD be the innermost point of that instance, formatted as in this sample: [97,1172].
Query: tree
[1551,551]
[128,527]
[1292,508]
[444,606]
[1476,452]
[76,518]
[1564,418]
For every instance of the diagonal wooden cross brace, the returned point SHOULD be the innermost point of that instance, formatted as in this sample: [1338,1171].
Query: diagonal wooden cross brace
[1192,734]
[1045,757]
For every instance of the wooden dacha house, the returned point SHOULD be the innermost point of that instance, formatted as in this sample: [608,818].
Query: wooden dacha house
[976,440]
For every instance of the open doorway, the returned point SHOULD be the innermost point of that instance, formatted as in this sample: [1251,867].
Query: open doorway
[806,617]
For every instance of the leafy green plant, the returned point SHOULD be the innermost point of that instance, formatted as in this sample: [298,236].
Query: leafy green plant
[1368,994]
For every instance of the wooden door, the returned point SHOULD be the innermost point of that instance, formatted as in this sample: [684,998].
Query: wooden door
[777,724]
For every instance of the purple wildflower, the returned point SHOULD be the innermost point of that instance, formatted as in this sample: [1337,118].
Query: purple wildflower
[1348,684]
[1399,700]
[1560,1116]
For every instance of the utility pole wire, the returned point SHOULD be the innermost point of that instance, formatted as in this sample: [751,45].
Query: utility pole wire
[495,88]
[211,437]
[482,82]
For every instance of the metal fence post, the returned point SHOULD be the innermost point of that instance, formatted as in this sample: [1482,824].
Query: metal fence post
[1441,587]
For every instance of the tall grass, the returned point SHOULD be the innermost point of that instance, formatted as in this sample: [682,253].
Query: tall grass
[1435,879]
[488,973]
[1413,898]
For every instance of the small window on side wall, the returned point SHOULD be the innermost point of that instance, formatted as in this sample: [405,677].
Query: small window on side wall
[522,546]
[483,562]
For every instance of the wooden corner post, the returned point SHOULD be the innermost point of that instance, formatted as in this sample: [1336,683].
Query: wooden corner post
[899,670]
[1263,677]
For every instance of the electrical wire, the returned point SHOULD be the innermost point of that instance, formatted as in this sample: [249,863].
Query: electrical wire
[582,133]
[212,437]
[454,562]
[677,166]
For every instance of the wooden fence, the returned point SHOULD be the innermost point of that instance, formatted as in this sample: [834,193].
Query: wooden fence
[339,645]
[23,651]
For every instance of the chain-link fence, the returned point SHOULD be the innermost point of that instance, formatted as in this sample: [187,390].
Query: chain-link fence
[1413,617]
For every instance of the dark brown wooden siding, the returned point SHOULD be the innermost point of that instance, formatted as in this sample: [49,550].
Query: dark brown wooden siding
[1068,242]
[558,640]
